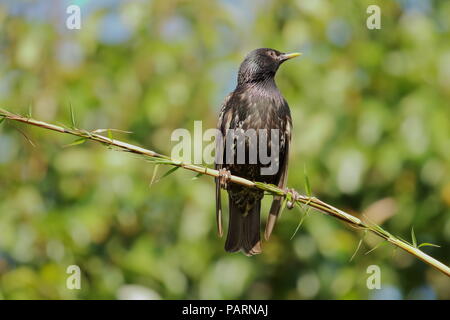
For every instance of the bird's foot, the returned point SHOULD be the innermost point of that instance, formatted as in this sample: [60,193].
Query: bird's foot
[224,178]
[294,197]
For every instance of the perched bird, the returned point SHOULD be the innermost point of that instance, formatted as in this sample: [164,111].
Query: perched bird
[256,104]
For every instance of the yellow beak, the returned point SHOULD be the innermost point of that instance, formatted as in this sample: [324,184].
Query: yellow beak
[287,56]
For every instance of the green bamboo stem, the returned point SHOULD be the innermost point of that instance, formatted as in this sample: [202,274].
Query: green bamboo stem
[308,201]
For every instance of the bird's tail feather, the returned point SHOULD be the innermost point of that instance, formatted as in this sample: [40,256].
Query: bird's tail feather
[244,230]
[273,216]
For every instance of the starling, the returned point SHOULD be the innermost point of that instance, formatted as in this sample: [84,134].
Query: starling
[256,104]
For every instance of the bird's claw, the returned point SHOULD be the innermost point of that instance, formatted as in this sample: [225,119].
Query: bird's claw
[294,197]
[224,178]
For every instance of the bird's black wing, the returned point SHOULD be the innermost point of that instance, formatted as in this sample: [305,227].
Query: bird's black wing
[285,142]
[222,125]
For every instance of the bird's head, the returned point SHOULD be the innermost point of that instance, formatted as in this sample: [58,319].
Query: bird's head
[262,64]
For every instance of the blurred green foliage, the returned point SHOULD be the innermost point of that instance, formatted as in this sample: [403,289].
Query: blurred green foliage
[371,120]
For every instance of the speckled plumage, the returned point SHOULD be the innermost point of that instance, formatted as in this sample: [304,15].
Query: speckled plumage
[256,103]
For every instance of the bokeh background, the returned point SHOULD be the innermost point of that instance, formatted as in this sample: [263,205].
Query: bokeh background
[371,120]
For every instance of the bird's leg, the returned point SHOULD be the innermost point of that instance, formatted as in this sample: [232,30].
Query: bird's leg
[294,197]
[224,178]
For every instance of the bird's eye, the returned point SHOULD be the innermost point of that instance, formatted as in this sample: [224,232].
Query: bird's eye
[272,54]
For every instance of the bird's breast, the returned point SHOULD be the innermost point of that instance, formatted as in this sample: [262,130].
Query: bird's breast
[251,115]
[257,109]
